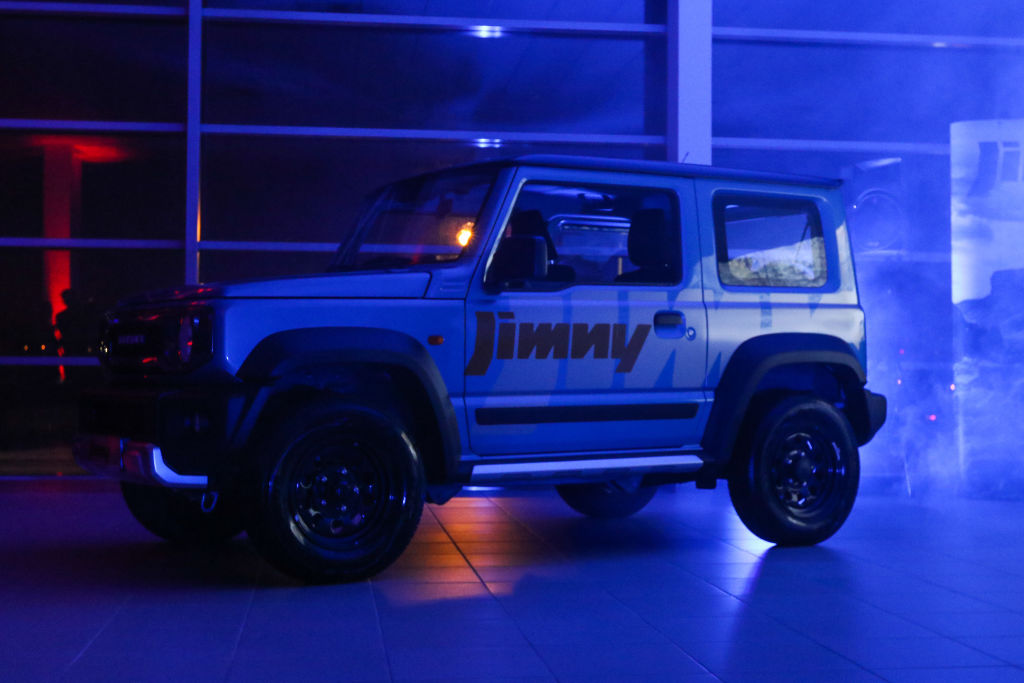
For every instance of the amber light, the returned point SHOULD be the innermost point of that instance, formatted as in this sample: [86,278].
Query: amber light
[464,236]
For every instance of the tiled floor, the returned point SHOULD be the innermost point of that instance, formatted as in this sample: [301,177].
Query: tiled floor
[515,586]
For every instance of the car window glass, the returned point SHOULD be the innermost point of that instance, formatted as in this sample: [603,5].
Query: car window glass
[769,242]
[597,234]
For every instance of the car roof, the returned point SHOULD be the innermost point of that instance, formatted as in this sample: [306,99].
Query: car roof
[655,168]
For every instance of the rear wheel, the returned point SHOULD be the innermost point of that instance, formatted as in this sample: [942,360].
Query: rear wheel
[796,482]
[619,498]
[179,517]
[340,493]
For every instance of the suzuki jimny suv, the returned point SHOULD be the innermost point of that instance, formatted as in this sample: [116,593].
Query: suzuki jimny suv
[602,325]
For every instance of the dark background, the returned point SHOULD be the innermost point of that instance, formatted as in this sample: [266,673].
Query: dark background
[892,104]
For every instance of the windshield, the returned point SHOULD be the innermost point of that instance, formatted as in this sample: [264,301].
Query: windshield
[426,220]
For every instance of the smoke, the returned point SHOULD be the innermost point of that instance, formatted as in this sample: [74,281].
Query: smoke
[946,361]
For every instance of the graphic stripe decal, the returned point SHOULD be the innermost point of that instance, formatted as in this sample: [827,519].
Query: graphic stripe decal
[602,413]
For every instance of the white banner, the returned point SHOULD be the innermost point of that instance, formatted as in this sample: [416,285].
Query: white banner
[987,203]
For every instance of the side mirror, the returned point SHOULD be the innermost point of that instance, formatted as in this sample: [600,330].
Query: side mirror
[518,260]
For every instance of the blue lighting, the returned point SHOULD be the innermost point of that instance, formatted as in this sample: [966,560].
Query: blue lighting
[488,143]
[486,31]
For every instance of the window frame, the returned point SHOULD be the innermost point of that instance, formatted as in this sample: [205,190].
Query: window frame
[675,216]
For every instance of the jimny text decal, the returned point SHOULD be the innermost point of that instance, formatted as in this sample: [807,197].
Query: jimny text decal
[558,341]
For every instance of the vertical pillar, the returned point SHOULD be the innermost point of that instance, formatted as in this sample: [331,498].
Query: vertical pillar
[688,135]
[192,140]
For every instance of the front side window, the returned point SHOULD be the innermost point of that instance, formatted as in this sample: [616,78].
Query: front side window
[422,221]
[769,242]
[596,234]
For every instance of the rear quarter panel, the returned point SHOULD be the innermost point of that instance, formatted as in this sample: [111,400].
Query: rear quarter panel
[736,314]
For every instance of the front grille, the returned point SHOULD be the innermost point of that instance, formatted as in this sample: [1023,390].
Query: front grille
[146,342]
[136,343]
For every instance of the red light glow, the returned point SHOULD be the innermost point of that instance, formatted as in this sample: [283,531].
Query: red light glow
[90,149]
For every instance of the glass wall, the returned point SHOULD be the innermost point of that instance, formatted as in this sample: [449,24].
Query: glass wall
[79,67]
[298,121]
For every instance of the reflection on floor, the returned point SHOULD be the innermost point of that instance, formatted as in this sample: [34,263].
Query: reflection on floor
[516,586]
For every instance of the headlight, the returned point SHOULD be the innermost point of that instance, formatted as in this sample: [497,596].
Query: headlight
[188,339]
[187,328]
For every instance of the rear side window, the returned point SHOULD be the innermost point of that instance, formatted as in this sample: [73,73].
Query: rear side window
[769,242]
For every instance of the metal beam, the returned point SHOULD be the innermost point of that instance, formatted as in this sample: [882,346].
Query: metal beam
[71,361]
[85,243]
[483,138]
[90,9]
[483,28]
[688,134]
[192,140]
[736,34]
[92,126]
[223,245]
[798,145]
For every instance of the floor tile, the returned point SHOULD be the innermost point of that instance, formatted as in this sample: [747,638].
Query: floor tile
[612,658]
[455,661]
[1010,649]
[515,586]
[893,653]
[792,655]
[994,674]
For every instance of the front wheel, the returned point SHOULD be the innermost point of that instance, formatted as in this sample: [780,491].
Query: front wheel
[340,493]
[796,481]
[609,499]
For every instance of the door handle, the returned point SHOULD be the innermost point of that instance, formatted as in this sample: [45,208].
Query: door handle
[670,324]
[669,319]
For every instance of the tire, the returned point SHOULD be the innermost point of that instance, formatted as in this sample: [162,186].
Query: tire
[338,495]
[795,481]
[609,499]
[178,517]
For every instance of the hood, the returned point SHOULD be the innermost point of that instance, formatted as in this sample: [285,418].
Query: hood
[377,285]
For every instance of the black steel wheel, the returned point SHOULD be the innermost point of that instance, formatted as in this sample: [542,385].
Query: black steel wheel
[340,493]
[178,516]
[619,498]
[796,480]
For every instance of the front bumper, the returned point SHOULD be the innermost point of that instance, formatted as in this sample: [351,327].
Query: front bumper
[170,436]
[136,461]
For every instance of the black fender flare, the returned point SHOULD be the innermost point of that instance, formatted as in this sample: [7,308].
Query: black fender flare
[755,358]
[292,351]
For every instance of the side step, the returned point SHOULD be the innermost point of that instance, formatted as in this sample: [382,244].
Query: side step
[593,468]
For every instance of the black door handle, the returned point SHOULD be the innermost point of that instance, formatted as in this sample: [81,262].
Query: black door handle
[669,319]
[670,324]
